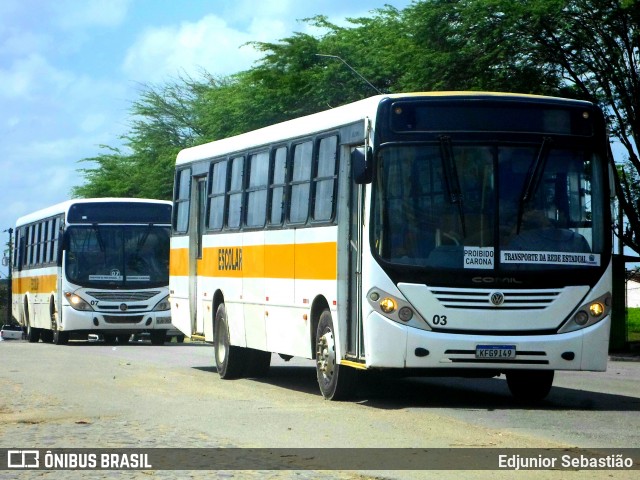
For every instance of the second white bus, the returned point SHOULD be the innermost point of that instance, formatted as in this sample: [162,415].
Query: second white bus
[93,266]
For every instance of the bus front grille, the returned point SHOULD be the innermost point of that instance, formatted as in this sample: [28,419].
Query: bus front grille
[123,296]
[481,298]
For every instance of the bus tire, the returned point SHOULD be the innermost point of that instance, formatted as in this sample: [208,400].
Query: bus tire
[336,382]
[60,338]
[530,385]
[231,360]
[258,363]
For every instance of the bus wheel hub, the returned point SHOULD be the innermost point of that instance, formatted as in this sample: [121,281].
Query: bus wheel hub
[326,354]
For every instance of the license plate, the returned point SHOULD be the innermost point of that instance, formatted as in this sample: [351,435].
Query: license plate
[495,351]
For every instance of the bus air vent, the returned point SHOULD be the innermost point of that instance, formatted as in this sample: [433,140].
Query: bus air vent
[484,298]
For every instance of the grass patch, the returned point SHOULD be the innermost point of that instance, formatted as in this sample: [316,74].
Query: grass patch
[633,324]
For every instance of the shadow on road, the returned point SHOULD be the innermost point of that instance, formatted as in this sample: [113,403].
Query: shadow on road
[140,343]
[385,392]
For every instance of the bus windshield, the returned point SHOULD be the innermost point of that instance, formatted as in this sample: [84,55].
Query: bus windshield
[127,256]
[489,206]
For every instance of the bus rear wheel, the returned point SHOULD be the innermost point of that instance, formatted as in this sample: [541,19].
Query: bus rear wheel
[337,382]
[530,385]
[231,360]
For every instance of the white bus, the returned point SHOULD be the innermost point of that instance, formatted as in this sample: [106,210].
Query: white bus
[442,233]
[93,266]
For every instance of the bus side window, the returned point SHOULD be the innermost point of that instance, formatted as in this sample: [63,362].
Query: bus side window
[277,186]
[234,195]
[181,201]
[218,185]
[300,182]
[323,205]
[257,189]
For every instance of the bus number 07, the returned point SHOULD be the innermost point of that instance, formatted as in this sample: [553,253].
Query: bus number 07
[439,319]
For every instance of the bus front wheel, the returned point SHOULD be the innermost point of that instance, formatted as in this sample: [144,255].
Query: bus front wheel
[337,382]
[231,360]
[530,385]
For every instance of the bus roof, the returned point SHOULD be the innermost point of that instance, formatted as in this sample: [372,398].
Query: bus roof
[327,119]
[63,207]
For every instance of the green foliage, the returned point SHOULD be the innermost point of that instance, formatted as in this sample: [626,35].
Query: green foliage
[633,324]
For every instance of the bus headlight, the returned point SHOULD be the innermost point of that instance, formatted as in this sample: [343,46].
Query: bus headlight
[588,314]
[394,308]
[77,303]
[163,305]
[596,309]
[388,305]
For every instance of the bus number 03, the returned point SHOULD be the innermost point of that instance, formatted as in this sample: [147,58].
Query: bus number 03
[439,319]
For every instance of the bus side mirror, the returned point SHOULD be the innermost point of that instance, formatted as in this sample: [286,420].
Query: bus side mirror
[361,168]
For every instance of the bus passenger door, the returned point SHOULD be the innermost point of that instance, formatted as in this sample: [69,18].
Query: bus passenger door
[353,262]
[196,306]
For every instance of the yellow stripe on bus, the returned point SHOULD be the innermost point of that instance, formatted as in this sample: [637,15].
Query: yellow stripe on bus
[307,261]
[34,284]
[179,262]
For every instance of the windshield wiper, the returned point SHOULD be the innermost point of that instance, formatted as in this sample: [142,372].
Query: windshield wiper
[96,229]
[451,177]
[534,176]
[143,239]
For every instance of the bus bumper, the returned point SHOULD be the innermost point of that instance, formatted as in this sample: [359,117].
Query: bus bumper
[74,320]
[392,345]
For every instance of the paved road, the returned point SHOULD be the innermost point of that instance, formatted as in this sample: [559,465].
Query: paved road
[139,395]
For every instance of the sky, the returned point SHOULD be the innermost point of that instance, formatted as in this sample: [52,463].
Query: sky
[70,70]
